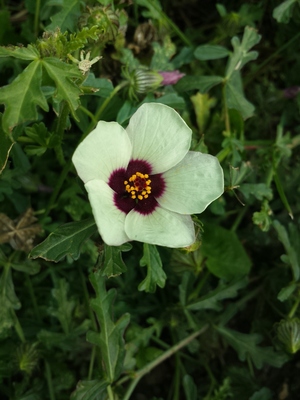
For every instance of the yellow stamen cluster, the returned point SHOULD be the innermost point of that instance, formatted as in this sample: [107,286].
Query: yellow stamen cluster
[138,186]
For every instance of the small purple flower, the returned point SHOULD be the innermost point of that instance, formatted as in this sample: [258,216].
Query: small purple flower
[171,77]
[291,92]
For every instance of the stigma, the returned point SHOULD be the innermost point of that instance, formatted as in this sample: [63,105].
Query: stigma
[138,186]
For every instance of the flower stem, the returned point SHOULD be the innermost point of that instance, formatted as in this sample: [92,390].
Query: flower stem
[49,381]
[58,186]
[145,370]
[36,17]
[59,131]
[103,106]
[110,393]
[172,24]
[18,327]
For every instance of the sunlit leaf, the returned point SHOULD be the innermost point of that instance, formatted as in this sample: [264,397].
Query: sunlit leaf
[64,75]
[65,240]
[22,97]
[23,53]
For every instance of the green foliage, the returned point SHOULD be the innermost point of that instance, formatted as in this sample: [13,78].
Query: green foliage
[110,339]
[65,240]
[155,273]
[246,346]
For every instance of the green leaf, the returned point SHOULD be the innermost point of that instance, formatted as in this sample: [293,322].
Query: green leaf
[64,307]
[202,83]
[23,53]
[210,52]
[110,339]
[288,333]
[111,262]
[103,86]
[65,240]
[66,18]
[263,394]
[190,389]
[226,257]
[213,298]
[202,105]
[235,96]
[40,135]
[63,75]
[241,54]
[155,273]
[286,292]
[8,300]
[291,253]
[6,145]
[284,11]
[258,190]
[90,390]
[246,345]
[22,97]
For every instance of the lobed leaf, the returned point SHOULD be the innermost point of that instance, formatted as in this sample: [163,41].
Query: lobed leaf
[64,75]
[65,240]
[110,339]
[223,291]
[246,345]
[155,273]
[111,262]
[28,53]
[22,97]
[67,17]
[90,390]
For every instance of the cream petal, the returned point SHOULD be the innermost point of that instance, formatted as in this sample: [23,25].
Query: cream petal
[106,149]
[109,219]
[158,135]
[192,184]
[161,227]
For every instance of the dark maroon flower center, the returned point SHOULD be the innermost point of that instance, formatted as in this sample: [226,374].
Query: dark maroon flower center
[136,188]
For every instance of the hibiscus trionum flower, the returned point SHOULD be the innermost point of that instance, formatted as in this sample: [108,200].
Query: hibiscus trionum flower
[143,182]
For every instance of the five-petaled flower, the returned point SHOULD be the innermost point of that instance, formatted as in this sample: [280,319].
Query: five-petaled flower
[143,182]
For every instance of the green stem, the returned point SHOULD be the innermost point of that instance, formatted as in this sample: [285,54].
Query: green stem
[226,115]
[60,129]
[269,59]
[58,186]
[172,25]
[103,106]
[239,218]
[36,17]
[92,362]
[110,393]
[294,308]
[18,327]
[145,370]
[49,381]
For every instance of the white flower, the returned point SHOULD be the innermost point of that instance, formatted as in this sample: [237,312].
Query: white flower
[143,182]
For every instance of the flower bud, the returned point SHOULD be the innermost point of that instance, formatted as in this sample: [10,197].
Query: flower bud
[288,333]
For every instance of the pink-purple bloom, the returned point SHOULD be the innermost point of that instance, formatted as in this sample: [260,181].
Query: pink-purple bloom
[171,77]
